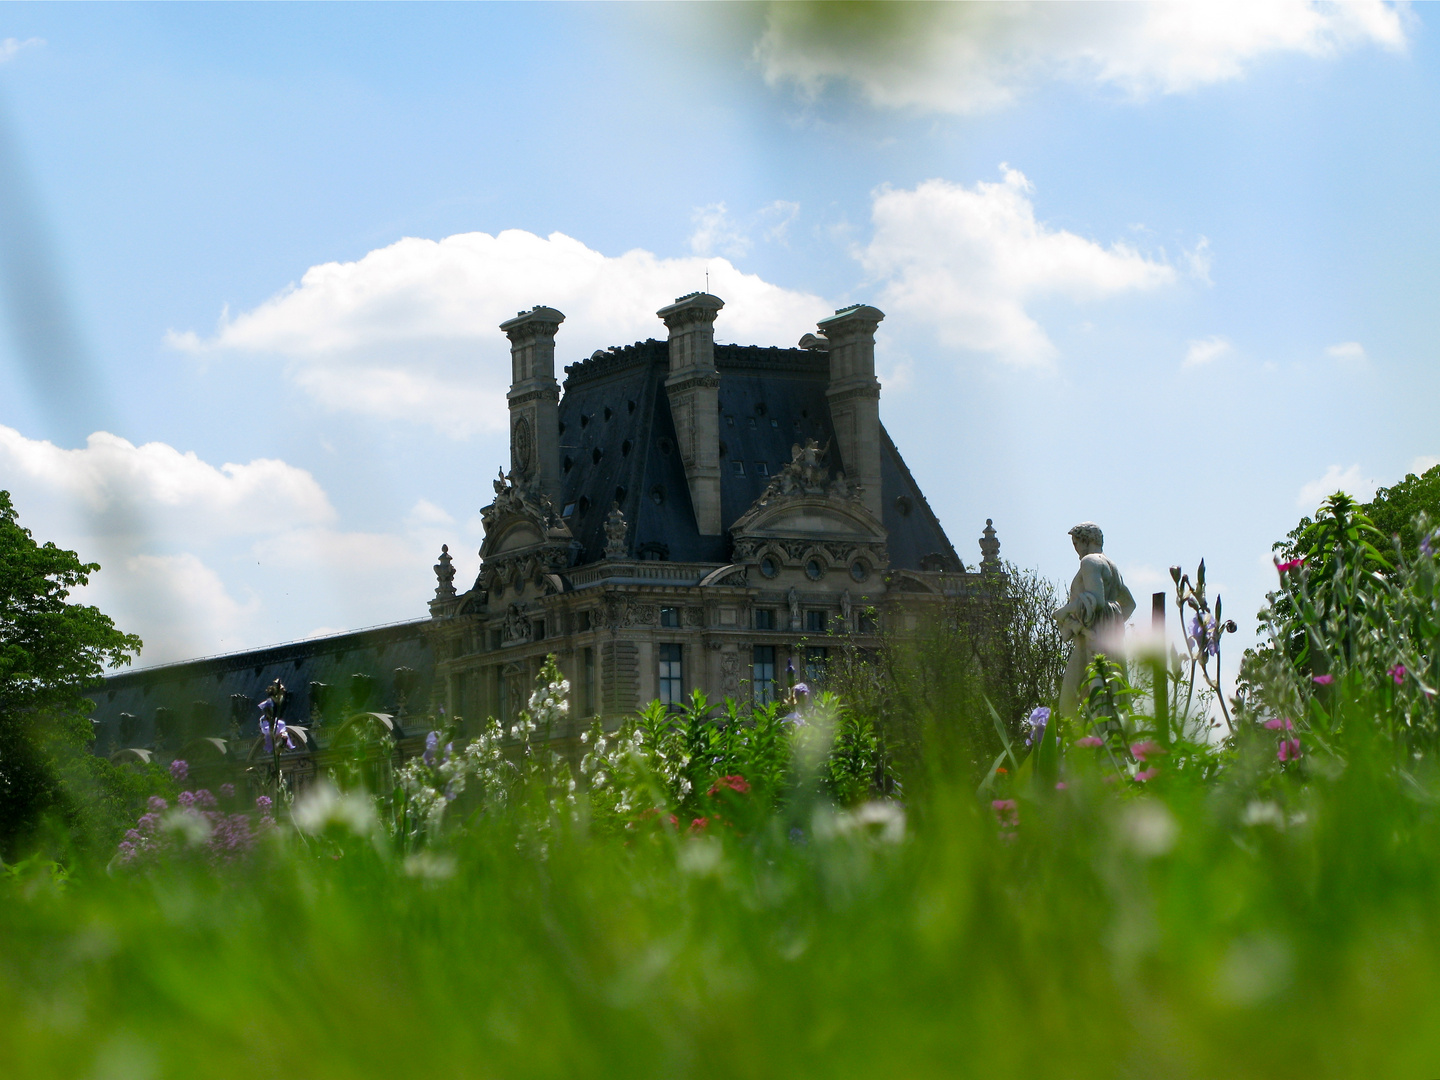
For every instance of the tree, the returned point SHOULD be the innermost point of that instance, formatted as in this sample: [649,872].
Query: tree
[1393,509]
[50,650]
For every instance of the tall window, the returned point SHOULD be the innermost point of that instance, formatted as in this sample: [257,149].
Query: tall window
[669,616]
[762,674]
[815,622]
[671,680]
[816,659]
[587,684]
[764,619]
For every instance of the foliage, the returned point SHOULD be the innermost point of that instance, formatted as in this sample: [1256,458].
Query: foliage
[930,691]
[50,649]
[1393,509]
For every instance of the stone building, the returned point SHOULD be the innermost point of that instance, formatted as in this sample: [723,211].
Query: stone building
[687,515]
[684,516]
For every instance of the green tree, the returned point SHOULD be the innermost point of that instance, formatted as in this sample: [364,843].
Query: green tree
[1393,509]
[50,651]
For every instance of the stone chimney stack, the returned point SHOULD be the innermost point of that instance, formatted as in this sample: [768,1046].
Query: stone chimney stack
[694,390]
[534,400]
[855,396]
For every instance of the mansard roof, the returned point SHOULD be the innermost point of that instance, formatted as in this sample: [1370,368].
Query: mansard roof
[618,443]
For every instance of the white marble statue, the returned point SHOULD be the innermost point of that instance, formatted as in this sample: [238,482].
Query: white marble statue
[1093,619]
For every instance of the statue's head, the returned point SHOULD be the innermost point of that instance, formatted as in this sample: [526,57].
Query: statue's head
[1087,537]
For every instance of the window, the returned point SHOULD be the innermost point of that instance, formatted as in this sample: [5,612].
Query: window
[769,566]
[752,423]
[859,571]
[569,510]
[762,674]
[671,682]
[774,423]
[582,622]
[761,469]
[669,616]
[764,619]
[815,621]
[729,421]
[814,570]
[866,621]
[738,468]
[587,684]
[539,629]
[816,659]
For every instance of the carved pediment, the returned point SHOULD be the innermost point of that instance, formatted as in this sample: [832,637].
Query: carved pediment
[804,500]
[519,518]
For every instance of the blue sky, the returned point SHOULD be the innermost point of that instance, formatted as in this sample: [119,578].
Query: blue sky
[1167,268]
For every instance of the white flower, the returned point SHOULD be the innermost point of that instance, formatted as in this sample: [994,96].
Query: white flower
[323,806]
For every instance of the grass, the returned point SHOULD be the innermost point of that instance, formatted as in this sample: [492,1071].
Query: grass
[1271,924]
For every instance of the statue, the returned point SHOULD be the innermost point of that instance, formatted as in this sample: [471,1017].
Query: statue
[445,575]
[793,599]
[845,609]
[615,529]
[1094,616]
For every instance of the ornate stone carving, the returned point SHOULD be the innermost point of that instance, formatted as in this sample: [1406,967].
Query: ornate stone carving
[444,575]
[523,447]
[989,550]
[807,474]
[730,675]
[694,616]
[615,530]
[792,598]
[514,497]
[517,629]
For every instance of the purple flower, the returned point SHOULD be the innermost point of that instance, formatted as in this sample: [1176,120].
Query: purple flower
[1427,543]
[432,742]
[227,791]
[1035,724]
[1322,680]
[801,688]
[187,799]
[179,771]
[156,804]
[1206,638]
[147,822]
[263,803]
[1397,673]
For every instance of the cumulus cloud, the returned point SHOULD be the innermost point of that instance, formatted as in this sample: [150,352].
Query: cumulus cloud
[1204,350]
[969,259]
[411,330]
[1351,481]
[111,480]
[200,559]
[1424,463]
[968,58]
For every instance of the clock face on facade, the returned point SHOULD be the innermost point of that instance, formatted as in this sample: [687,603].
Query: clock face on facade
[523,447]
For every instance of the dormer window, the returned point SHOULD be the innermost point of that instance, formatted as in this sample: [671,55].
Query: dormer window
[761,469]
[738,468]
[569,510]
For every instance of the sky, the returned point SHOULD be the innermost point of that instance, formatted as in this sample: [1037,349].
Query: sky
[1167,268]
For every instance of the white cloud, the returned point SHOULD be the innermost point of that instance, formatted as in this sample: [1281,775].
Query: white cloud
[968,58]
[11,46]
[199,559]
[1349,353]
[968,260]
[1424,463]
[115,481]
[1351,481]
[411,330]
[1204,350]
[1199,260]
[715,232]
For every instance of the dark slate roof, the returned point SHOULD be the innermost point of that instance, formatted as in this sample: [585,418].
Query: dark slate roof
[331,660]
[618,442]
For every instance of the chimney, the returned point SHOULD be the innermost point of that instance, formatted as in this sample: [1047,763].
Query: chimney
[534,400]
[694,390]
[854,396]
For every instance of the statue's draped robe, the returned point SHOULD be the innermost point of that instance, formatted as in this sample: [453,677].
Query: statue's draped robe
[1093,619]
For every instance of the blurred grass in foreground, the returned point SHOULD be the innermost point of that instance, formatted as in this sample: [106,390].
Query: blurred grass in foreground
[1197,931]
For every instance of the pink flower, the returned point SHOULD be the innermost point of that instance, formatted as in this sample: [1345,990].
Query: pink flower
[1322,680]
[1148,748]
[1007,812]
[737,784]
[1289,750]
[1061,785]
[700,824]
[1146,774]
[1397,673]
[1280,723]
[1293,564]
[1090,740]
